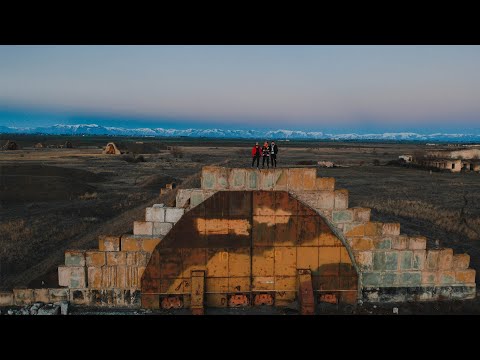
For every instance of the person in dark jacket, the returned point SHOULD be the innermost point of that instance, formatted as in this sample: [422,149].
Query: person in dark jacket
[273,153]
[256,153]
[266,154]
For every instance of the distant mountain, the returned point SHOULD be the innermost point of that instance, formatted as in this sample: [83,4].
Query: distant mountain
[93,129]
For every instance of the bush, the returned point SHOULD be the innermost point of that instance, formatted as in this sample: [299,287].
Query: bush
[376,162]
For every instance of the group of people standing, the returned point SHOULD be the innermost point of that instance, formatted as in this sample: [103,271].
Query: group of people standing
[267,152]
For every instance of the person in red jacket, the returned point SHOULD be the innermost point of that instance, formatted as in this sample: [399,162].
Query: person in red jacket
[256,153]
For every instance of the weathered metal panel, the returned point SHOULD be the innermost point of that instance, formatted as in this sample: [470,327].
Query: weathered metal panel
[248,241]
[263,262]
[217,263]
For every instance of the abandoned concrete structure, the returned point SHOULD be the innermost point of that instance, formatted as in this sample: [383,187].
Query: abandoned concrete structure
[452,160]
[251,237]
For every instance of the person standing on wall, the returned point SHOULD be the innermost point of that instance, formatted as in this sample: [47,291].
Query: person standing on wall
[273,153]
[256,153]
[266,154]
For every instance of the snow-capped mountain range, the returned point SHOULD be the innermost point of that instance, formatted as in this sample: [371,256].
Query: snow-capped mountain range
[93,129]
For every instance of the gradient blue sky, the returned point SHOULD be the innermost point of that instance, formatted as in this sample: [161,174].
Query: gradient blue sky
[322,88]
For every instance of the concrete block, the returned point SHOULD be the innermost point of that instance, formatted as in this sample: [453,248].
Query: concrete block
[267,179]
[354,229]
[341,199]
[417,243]
[373,228]
[161,228]
[372,279]
[23,297]
[281,180]
[325,183]
[360,243]
[131,258]
[340,216]
[381,242]
[95,258]
[325,200]
[391,260]
[253,179]
[446,277]
[465,276]
[364,259]
[142,228]
[94,277]
[80,296]
[196,198]
[164,191]
[390,279]
[74,257]
[132,280]
[429,277]
[41,295]
[221,178]
[237,179]
[461,261]
[400,242]
[155,214]
[445,259]
[121,278]
[149,244]
[419,258]
[58,294]
[295,179]
[173,214]
[411,278]
[6,298]
[142,258]
[131,243]
[432,259]
[361,214]
[109,277]
[109,243]
[72,276]
[391,229]
[309,179]
[182,200]
[116,258]
[208,177]
[406,260]
[379,260]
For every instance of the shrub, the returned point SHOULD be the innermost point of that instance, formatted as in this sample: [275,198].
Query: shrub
[376,162]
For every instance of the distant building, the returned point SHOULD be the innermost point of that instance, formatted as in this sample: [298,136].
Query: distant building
[452,160]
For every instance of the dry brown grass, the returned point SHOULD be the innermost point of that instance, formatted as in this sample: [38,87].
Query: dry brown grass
[448,220]
[13,231]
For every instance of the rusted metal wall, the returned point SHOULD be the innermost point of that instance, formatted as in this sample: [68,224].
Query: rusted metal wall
[249,243]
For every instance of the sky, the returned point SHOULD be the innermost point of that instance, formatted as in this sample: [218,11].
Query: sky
[315,88]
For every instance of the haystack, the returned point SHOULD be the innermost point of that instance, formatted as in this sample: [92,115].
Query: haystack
[111,148]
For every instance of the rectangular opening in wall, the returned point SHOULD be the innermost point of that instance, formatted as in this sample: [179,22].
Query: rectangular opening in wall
[453,166]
